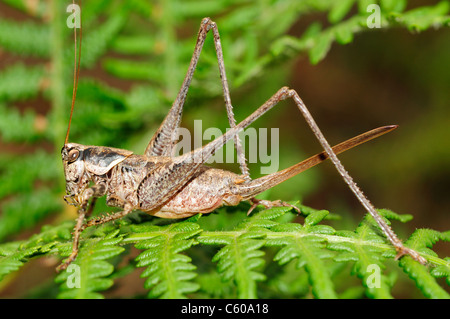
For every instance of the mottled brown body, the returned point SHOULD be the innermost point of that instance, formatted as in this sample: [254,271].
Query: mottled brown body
[123,178]
[207,189]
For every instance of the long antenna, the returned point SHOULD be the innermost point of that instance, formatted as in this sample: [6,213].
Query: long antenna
[76,72]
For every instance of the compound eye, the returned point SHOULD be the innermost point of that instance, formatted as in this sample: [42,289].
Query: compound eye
[73,155]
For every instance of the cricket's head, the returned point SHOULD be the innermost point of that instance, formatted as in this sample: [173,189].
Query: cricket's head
[74,171]
[85,163]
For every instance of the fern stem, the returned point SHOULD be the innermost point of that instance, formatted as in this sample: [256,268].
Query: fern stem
[168,270]
[275,235]
[246,286]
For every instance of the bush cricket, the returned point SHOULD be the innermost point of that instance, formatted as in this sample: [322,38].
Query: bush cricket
[160,184]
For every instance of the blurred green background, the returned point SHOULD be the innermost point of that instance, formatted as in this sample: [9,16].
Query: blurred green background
[135,55]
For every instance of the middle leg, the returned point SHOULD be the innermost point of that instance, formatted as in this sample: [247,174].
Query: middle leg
[163,142]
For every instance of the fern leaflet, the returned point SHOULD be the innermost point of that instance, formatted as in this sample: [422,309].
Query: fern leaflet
[169,272]
[90,270]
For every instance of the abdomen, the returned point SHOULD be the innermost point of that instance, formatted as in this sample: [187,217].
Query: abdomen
[208,190]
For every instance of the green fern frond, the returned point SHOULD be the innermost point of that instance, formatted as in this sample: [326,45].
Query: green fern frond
[88,274]
[365,257]
[96,91]
[421,240]
[19,174]
[32,207]
[421,19]
[442,270]
[13,255]
[241,257]
[25,38]
[142,98]
[133,69]
[213,286]
[15,127]
[11,258]
[96,42]
[49,235]
[316,250]
[300,243]
[169,272]
[19,82]
[138,44]
[240,260]
[317,42]
[25,206]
